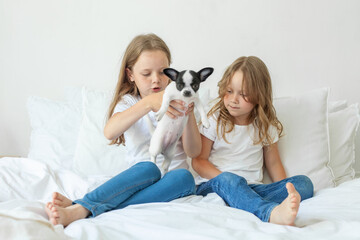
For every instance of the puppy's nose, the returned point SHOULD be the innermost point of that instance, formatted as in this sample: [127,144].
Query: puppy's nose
[187,94]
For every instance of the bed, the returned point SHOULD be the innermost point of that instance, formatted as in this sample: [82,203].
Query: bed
[67,145]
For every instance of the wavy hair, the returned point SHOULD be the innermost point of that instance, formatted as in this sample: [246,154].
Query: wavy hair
[141,43]
[257,85]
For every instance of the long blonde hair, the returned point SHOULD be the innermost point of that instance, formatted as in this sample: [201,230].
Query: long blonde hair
[257,85]
[139,44]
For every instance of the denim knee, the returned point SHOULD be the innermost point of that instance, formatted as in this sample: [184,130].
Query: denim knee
[230,179]
[304,186]
[149,167]
[184,178]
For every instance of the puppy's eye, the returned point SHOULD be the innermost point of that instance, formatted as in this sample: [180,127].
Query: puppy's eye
[195,85]
[180,85]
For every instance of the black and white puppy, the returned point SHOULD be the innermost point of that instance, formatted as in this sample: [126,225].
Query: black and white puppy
[184,86]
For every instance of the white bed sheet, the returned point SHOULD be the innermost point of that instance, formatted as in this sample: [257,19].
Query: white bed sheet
[26,185]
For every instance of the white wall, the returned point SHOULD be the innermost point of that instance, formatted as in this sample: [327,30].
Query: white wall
[46,45]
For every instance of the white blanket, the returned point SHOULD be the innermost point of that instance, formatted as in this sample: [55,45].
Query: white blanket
[26,185]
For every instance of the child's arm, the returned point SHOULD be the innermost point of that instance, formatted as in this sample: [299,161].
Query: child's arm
[122,121]
[273,163]
[201,163]
[191,137]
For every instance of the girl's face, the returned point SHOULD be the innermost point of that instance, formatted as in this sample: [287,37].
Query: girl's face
[235,100]
[147,72]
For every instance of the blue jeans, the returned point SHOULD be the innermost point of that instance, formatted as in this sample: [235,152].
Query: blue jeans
[259,199]
[142,183]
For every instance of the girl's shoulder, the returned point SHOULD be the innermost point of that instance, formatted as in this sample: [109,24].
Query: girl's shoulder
[214,116]
[273,135]
[126,101]
[213,119]
[273,132]
[210,132]
[129,99]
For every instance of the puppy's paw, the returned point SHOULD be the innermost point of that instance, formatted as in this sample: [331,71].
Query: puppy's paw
[206,123]
[158,116]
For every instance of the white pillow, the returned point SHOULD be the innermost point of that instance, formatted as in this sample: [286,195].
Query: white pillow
[73,95]
[94,155]
[304,148]
[343,125]
[357,154]
[335,106]
[54,129]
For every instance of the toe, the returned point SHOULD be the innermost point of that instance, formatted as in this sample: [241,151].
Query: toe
[56,214]
[290,187]
[292,198]
[53,221]
[55,195]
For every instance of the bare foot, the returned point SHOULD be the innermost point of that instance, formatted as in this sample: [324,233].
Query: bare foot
[286,212]
[65,216]
[60,200]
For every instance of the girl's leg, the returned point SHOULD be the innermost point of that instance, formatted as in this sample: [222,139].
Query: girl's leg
[236,193]
[277,192]
[118,189]
[175,184]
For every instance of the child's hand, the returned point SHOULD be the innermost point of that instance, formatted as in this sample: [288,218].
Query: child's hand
[155,100]
[190,109]
[177,109]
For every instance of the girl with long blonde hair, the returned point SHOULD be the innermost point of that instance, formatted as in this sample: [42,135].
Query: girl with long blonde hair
[242,137]
[138,93]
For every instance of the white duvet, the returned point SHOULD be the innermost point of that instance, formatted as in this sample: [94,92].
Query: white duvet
[26,185]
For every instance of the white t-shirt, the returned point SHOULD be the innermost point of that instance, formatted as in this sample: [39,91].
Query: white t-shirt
[137,138]
[240,156]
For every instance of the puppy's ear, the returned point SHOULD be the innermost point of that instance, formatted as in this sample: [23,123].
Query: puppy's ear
[205,73]
[171,73]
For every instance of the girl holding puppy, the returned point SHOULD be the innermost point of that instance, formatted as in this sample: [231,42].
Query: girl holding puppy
[138,93]
[243,136]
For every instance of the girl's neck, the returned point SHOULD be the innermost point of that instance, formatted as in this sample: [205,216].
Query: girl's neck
[241,122]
